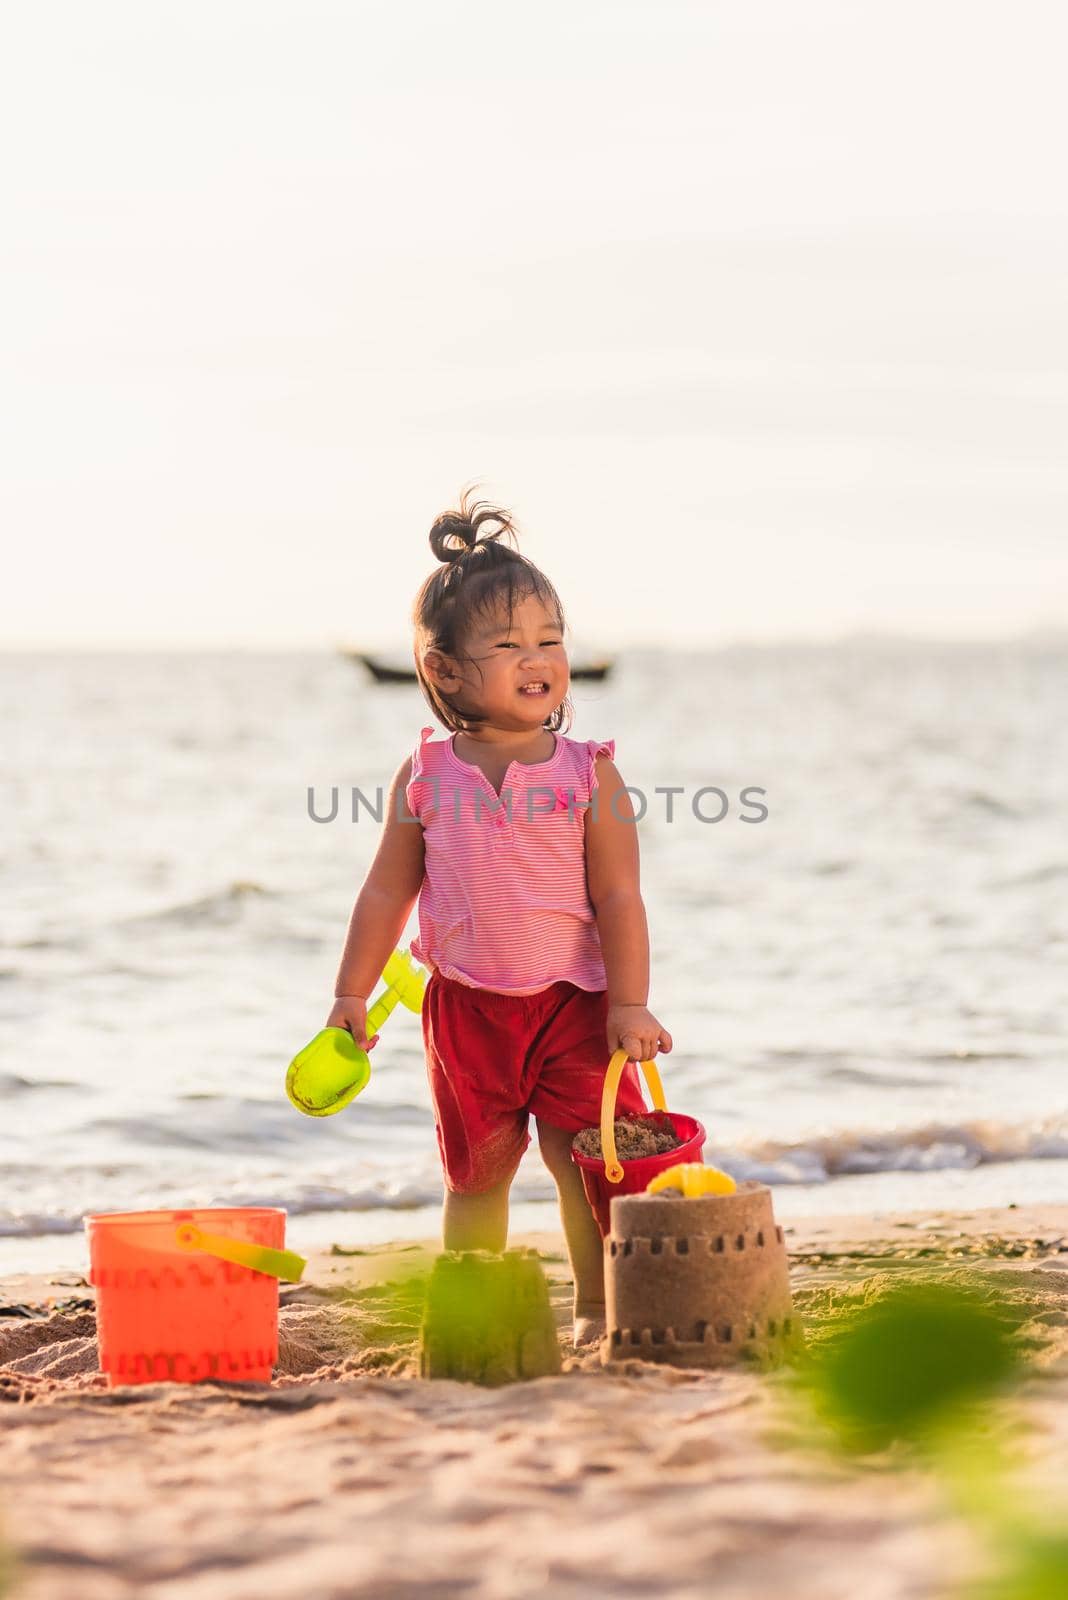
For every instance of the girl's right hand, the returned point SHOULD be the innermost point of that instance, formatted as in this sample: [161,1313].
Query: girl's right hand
[350,1011]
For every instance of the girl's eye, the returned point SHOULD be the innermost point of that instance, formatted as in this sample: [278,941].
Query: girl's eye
[516,647]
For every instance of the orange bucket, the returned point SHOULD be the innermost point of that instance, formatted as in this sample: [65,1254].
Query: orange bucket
[603,1176]
[187,1295]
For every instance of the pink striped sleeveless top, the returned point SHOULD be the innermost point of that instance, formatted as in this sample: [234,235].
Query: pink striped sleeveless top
[504,903]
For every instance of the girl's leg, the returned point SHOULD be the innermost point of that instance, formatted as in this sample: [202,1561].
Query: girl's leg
[585,1248]
[477,1221]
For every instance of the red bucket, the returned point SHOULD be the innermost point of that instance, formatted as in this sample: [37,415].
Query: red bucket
[601,1179]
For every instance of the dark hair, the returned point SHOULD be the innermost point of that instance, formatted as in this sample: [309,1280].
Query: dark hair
[481,578]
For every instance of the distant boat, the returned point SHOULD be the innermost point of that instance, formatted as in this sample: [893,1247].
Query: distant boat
[588,672]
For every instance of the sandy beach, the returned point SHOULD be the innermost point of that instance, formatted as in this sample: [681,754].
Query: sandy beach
[351,1477]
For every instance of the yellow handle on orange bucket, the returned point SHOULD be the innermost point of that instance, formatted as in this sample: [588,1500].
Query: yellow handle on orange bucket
[612,1169]
[284,1264]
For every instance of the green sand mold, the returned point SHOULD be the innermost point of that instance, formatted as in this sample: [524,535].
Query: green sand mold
[488,1319]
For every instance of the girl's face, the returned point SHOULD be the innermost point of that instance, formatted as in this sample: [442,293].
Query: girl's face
[507,661]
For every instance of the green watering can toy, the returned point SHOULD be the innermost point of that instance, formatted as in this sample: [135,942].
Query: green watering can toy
[332,1069]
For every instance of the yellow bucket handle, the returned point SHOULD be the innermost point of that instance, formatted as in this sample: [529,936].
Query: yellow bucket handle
[612,1169]
[284,1264]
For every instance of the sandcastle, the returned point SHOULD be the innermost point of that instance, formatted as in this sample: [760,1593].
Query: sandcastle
[698,1282]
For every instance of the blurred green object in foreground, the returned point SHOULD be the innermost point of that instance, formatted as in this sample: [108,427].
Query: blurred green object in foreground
[332,1070]
[912,1363]
[915,1367]
[1035,1569]
[488,1319]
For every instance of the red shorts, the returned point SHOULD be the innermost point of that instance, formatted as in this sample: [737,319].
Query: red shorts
[492,1059]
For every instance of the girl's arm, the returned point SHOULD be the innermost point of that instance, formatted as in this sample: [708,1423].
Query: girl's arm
[612,878]
[385,901]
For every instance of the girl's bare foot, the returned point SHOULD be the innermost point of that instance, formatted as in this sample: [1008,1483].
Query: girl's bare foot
[590,1328]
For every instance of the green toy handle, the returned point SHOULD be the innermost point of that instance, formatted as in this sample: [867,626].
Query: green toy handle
[332,1070]
[405,982]
[285,1264]
[380,1011]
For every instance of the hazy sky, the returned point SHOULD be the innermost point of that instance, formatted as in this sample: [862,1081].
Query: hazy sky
[753,313]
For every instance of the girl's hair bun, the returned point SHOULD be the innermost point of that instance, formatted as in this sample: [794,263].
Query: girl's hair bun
[456,532]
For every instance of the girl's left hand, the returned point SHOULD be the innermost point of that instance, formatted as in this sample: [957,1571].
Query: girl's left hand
[636,1030]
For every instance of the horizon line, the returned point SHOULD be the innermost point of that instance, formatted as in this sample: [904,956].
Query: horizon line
[1040,634]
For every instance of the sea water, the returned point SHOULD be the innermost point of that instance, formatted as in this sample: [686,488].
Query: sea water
[865,987]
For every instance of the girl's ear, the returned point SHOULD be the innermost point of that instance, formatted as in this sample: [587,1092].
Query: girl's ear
[440,670]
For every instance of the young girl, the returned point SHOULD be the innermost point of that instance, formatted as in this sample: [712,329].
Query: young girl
[521,847]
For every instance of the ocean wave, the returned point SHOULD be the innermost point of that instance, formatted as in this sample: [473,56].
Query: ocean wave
[390,1197]
[304,1201]
[14,1083]
[933,1147]
[226,1124]
[45,942]
[955,1056]
[226,1129]
[1030,879]
[983,800]
[881,1080]
[220,909]
[31,1225]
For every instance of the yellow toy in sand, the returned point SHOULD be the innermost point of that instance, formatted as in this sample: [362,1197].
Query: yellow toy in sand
[692,1179]
[332,1069]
